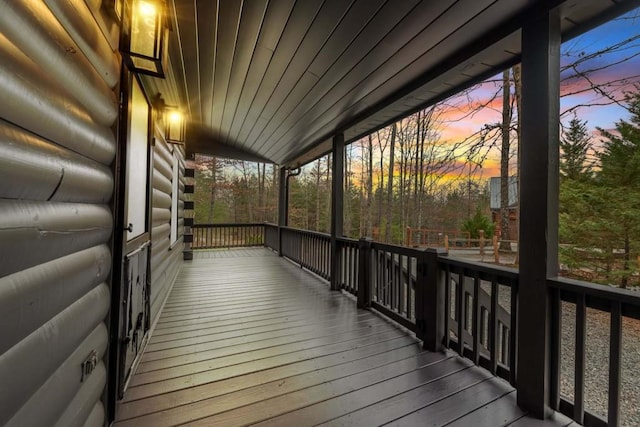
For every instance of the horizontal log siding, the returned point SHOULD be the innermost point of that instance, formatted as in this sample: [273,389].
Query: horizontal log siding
[56,152]
[165,259]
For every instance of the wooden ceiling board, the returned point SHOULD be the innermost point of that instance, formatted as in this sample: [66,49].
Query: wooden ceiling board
[276,78]
[303,14]
[229,13]
[327,19]
[504,52]
[253,13]
[349,93]
[343,36]
[371,36]
[495,13]
[276,19]
[475,68]
[186,42]
[207,19]
[469,70]
[433,91]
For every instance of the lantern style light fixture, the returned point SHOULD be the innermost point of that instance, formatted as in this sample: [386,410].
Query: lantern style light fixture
[144,36]
[174,123]
[114,9]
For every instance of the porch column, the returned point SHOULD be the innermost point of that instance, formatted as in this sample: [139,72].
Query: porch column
[539,189]
[283,206]
[337,199]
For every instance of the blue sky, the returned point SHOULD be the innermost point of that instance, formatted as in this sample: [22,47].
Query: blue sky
[610,34]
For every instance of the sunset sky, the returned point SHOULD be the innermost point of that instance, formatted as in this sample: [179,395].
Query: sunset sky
[621,66]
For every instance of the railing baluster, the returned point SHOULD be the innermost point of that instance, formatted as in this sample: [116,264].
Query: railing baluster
[350,252]
[394,282]
[505,344]
[460,312]
[447,305]
[346,267]
[397,296]
[388,277]
[493,327]
[476,319]
[392,278]
[513,339]
[581,331]
[379,276]
[615,346]
[407,302]
[384,282]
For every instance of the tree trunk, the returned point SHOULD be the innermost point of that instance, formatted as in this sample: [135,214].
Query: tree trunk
[347,192]
[517,85]
[624,282]
[317,215]
[417,171]
[369,229]
[212,194]
[388,216]
[504,162]
[381,185]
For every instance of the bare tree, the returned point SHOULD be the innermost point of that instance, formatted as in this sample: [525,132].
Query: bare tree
[504,161]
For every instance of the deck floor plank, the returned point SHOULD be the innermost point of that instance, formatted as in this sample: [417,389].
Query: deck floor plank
[365,356]
[247,337]
[500,412]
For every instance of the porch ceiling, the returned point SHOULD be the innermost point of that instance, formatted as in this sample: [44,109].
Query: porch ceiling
[276,79]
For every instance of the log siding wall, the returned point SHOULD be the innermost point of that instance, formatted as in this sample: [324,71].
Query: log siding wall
[58,107]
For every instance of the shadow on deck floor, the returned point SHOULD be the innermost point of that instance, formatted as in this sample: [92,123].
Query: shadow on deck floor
[249,338]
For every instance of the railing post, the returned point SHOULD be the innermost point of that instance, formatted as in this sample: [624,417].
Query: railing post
[337,200]
[430,291]
[282,206]
[364,272]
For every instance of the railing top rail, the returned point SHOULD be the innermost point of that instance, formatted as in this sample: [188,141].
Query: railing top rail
[308,232]
[486,269]
[347,240]
[248,224]
[400,250]
[599,296]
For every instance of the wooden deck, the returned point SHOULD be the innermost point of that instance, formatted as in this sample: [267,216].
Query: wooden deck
[249,338]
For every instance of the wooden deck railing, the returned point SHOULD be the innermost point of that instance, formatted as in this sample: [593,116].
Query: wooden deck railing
[271,236]
[393,282]
[212,236]
[481,302]
[621,306]
[466,306]
[350,262]
[310,249]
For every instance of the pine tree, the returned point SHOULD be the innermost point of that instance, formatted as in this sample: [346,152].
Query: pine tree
[575,145]
[600,211]
[620,176]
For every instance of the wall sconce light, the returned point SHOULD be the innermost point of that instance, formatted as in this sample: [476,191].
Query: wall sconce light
[143,35]
[174,123]
[114,9]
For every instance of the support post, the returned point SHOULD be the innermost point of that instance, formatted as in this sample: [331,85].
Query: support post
[337,200]
[430,292]
[283,206]
[364,272]
[539,175]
